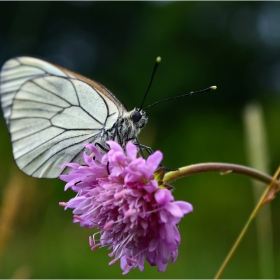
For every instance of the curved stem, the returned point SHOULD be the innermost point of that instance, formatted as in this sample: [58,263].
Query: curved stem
[223,168]
[248,223]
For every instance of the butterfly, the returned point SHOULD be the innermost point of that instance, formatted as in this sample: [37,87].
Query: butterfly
[51,112]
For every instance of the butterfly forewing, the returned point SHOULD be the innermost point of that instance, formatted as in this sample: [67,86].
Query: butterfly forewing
[16,72]
[51,113]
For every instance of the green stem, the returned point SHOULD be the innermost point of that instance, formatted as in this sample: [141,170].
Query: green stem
[223,168]
[249,221]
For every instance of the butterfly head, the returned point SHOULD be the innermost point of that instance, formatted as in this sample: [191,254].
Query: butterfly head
[136,119]
[139,117]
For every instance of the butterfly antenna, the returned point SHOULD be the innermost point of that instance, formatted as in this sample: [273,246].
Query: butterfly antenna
[158,60]
[184,95]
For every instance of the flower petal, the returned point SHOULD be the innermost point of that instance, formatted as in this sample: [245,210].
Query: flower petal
[163,196]
[117,193]
[174,210]
[154,160]
[184,206]
[131,151]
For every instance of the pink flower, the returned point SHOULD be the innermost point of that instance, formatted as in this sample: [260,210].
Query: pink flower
[118,194]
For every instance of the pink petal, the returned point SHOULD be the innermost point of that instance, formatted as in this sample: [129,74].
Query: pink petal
[163,196]
[115,146]
[174,210]
[184,206]
[154,160]
[94,150]
[131,151]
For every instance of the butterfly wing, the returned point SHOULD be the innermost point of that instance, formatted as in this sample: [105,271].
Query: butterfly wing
[51,112]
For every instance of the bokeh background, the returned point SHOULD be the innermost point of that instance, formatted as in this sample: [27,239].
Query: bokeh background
[234,45]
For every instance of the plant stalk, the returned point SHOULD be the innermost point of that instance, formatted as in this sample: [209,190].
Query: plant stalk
[223,168]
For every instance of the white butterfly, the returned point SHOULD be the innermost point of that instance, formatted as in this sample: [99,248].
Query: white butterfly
[52,112]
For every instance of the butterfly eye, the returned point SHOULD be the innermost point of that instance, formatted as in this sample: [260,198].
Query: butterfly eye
[135,116]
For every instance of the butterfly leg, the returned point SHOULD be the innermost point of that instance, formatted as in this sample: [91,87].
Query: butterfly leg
[142,147]
[101,147]
[148,149]
[118,137]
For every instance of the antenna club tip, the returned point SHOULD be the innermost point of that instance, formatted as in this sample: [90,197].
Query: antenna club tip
[158,59]
[213,88]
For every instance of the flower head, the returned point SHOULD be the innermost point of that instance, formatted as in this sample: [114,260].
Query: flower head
[118,194]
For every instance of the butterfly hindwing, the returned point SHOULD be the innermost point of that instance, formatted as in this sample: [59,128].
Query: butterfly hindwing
[16,72]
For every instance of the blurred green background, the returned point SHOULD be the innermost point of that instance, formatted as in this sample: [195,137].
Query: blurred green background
[234,45]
